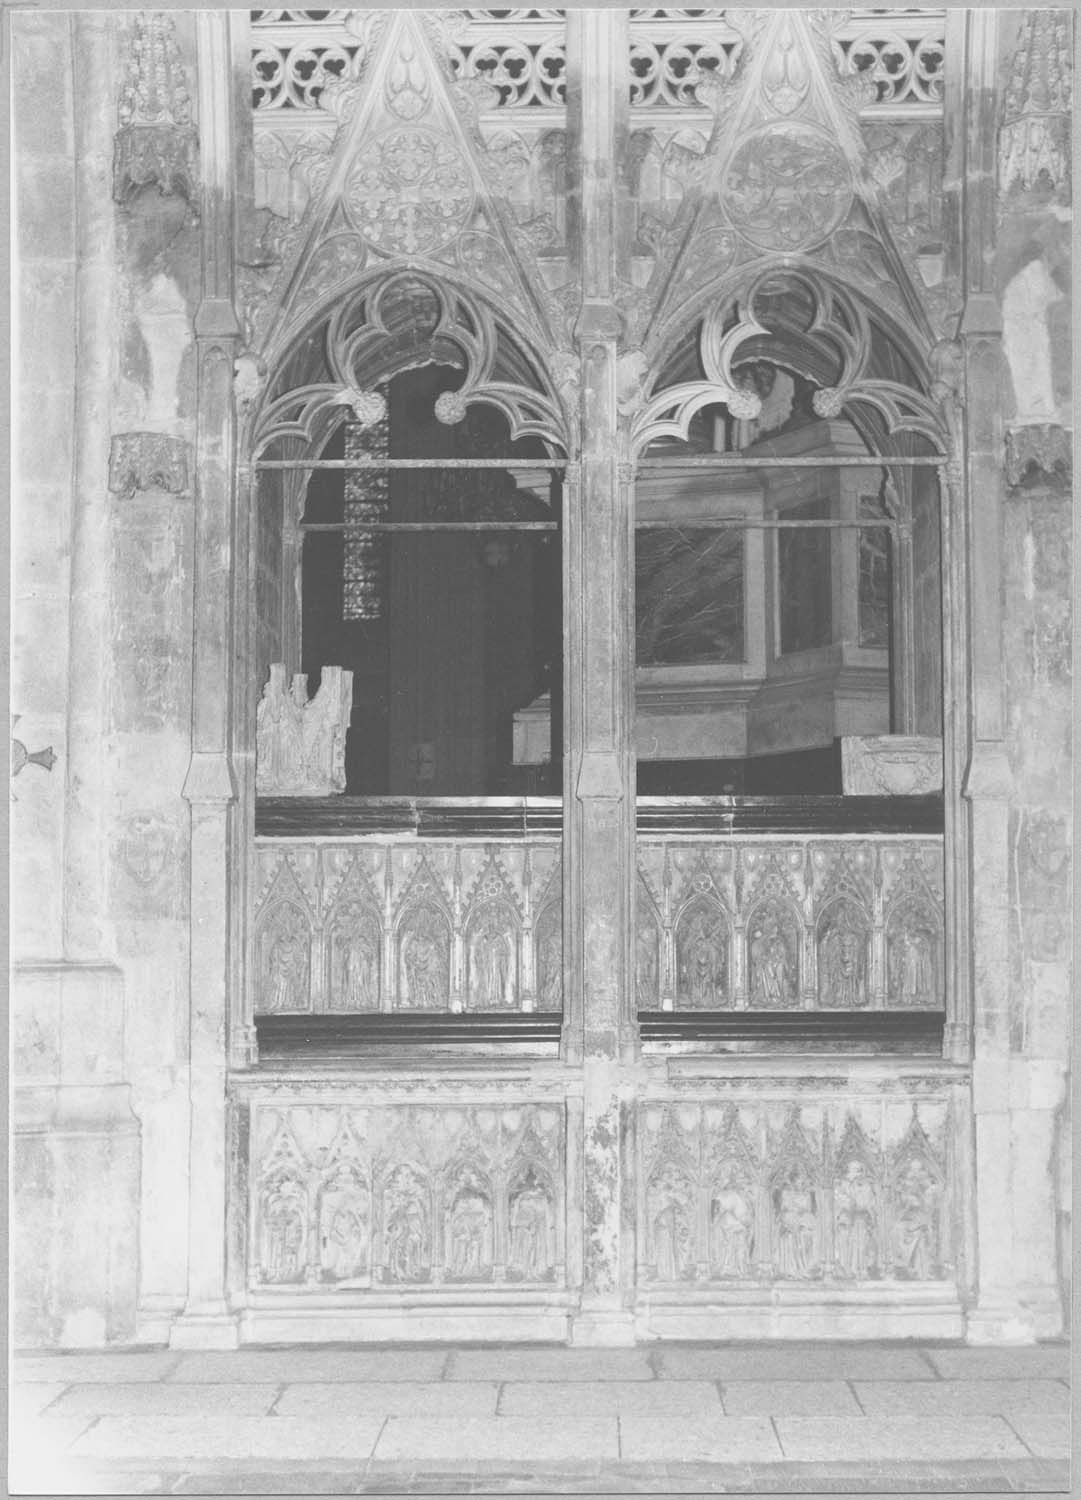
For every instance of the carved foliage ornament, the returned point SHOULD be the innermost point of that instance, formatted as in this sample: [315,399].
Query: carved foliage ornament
[156,143]
[152,461]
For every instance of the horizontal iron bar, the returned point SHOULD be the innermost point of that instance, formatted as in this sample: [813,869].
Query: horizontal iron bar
[411,463]
[754,523]
[734,461]
[361,528]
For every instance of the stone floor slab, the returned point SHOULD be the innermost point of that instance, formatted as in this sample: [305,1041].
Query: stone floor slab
[304,1365]
[957,1397]
[240,1438]
[786,1398]
[1021,1362]
[476,1440]
[1047,1435]
[761,1362]
[28,1399]
[699,1440]
[546,1363]
[391,1398]
[165,1399]
[587,1398]
[898,1438]
[97,1368]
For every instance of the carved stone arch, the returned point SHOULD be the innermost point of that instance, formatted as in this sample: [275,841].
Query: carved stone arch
[469,1227]
[843,948]
[283,1212]
[343,1209]
[720,316]
[649,956]
[916,1186]
[342,347]
[353,946]
[404,1245]
[703,953]
[283,955]
[548,950]
[493,942]
[774,957]
[857,1180]
[795,1206]
[915,975]
[531,1208]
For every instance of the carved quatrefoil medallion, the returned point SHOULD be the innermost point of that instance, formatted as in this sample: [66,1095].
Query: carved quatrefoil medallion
[410,191]
[787,187]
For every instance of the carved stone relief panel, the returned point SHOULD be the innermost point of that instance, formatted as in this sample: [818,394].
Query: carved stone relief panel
[782,1186]
[284,947]
[390,926]
[814,923]
[647,942]
[843,945]
[406,1196]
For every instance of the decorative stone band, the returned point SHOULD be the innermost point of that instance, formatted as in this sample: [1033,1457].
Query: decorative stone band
[1039,453]
[148,461]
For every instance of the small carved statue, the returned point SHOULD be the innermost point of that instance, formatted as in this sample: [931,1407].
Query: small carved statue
[645,967]
[529,1254]
[283,1235]
[344,1239]
[358,974]
[300,744]
[286,973]
[424,958]
[493,962]
[551,972]
[702,967]
[469,1223]
[855,1222]
[842,978]
[911,973]
[771,971]
[914,1226]
[796,1219]
[731,1232]
[405,1239]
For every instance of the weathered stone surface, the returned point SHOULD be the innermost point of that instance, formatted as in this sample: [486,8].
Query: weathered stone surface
[473,1440]
[587,1398]
[549,1364]
[798,1362]
[97,1369]
[281,1367]
[883,1438]
[165,1399]
[1042,1362]
[228,1437]
[699,1440]
[1047,1436]
[959,1397]
[388,1398]
[791,1398]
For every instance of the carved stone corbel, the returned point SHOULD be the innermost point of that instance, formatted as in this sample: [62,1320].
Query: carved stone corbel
[1046,448]
[156,144]
[148,461]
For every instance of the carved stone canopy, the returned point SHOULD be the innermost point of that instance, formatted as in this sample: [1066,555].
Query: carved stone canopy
[1039,453]
[156,143]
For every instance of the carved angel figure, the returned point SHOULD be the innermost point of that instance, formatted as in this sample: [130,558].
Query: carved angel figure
[855,1222]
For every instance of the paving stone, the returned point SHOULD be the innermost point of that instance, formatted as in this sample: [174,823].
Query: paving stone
[27,1400]
[699,1439]
[786,1398]
[793,1362]
[166,1400]
[898,1438]
[477,1439]
[549,1364]
[396,1398]
[229,1438]
[546,1398]
[1022,1362]
[956,1397]
[1047,1434]
[300,1365]
[97,1368]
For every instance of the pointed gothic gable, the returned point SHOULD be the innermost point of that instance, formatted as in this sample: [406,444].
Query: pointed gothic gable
[785,171]
[409,183]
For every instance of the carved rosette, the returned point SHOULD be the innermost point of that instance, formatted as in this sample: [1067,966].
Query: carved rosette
[787,187]
[148,461]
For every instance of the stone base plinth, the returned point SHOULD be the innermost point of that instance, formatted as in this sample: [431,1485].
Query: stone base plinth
[405,1320]
[894,1312]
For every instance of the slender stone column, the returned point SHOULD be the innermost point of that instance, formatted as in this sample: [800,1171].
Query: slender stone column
[600,792]
[210,787]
